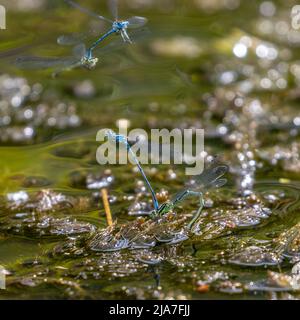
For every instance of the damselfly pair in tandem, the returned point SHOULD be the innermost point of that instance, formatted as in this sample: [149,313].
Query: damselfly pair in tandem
[82,56]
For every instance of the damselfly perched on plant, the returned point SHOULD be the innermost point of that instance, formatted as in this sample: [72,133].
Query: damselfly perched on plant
[211,177]
[164,226]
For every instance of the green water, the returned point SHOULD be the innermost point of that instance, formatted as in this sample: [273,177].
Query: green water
[140,83]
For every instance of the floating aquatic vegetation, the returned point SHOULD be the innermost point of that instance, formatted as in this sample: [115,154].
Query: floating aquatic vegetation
[64,226]
[46,278]
[139,234]
[170,229]
[119,264]
[36,225]
[113,265]
[142,233]
[48,200]
[289,242]
[236,214]
[256,256]
[44,201]
[221,222]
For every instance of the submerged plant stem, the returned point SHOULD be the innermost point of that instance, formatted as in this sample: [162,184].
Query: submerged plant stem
[106,207]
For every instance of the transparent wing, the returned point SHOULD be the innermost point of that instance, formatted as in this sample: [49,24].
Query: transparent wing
[33,62]
[79,50]
[218,184]
[87,11]
[113,8]
[70,39]
[209,178]
[68,67]
[136,22]
[76,38]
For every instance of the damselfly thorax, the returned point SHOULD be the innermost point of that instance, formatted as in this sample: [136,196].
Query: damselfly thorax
[89,62]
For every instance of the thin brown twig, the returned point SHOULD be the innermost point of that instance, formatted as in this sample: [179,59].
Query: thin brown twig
[106,207]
